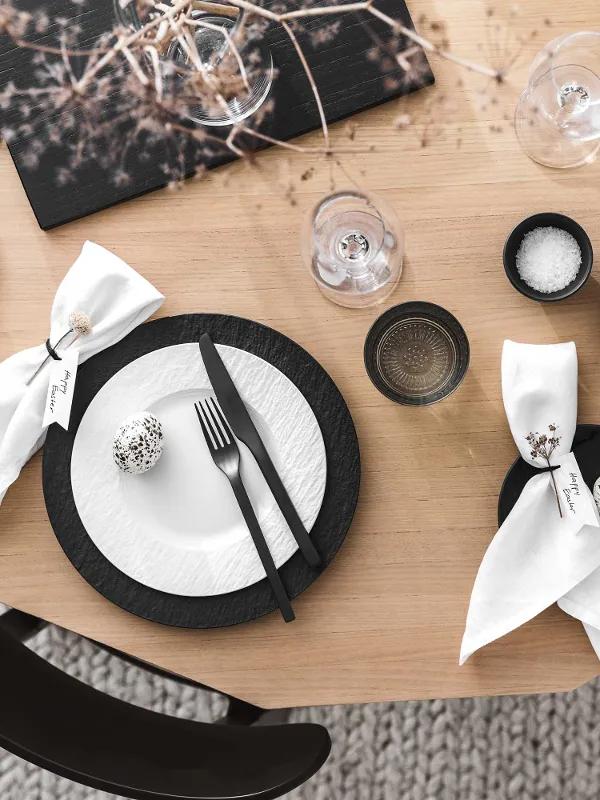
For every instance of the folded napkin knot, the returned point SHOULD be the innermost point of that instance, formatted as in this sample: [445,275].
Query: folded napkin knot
[99,287]
[541,554]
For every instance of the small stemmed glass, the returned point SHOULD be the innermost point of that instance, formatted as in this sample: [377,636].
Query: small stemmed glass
[557,120]
[353,245]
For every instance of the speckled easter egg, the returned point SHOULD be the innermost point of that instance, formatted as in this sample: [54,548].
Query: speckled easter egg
[138,443]
[597,493]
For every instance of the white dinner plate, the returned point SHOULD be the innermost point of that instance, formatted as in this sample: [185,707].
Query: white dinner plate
[177,528]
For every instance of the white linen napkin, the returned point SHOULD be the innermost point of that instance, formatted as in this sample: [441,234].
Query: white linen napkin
[115,298]
[537,557]
[583,603]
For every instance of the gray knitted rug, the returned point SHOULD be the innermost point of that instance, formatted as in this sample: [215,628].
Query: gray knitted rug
[545,747]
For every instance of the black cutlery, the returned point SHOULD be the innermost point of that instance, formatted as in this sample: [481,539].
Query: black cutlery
[240,421]
[226,455]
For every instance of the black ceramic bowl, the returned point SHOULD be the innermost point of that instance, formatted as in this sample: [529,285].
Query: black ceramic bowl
[416,353]
[546,220]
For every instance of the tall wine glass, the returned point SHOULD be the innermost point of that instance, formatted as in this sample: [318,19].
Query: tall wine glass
[557,120]
[216,36]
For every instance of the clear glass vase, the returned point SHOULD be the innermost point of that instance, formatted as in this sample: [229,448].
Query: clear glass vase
[353,244]
[557,120]
[226,55]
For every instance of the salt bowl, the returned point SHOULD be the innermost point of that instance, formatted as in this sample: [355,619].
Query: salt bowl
[547,220]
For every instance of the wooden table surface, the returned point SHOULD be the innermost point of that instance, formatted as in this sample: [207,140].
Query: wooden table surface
[386,619]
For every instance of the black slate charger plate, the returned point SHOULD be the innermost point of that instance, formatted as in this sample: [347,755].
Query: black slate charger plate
[337,510]
[586,446]
[348,82]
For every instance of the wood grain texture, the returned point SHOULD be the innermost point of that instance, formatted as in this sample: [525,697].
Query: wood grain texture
[386,621]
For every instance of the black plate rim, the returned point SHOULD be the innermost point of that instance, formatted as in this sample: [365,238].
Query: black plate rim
[257,599]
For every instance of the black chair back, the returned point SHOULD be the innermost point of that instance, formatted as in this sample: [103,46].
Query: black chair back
[53,720]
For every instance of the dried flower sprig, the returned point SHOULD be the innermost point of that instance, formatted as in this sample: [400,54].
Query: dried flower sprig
[542,447]
[157,96]
[79,324]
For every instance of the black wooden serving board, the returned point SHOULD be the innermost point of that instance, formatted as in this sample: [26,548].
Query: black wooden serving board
[329,530]
[348,81]
[586,447]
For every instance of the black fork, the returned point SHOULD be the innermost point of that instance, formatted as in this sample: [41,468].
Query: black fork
[226,455]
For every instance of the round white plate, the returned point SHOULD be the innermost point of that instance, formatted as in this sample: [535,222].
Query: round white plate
[178,528]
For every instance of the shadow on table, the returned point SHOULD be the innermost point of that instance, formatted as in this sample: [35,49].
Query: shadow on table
[455,432]
[565,317]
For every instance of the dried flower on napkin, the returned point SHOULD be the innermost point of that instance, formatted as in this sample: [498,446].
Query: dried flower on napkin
[80,323]
[536,558]
[542,447]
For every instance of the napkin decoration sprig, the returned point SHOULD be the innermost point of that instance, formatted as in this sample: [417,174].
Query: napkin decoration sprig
[79,324]
[539,557]
[542,447]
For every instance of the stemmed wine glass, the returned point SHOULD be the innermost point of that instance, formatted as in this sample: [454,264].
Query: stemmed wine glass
[557,120]
[225,52]
[353,245]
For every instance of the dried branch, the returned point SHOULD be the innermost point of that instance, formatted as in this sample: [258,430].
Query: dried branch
[230,44]
[130,76]
[432,48]
[311,80]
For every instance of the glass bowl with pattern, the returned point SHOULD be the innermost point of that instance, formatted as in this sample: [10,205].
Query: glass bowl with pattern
[416,353]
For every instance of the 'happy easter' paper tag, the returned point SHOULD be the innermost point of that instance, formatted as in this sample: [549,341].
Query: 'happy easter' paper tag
[61,385]
[576,500]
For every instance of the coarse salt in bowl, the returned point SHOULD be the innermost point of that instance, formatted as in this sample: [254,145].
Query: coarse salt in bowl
[548,257]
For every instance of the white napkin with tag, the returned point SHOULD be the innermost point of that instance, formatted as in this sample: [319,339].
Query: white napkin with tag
[115,298]
[538,557]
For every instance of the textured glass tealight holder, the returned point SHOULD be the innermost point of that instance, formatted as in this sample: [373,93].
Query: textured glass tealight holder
[353,243]
[417,353]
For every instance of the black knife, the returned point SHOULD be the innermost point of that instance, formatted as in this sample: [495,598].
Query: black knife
[245,430]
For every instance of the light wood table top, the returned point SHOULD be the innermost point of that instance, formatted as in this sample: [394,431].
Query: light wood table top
[386,619]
